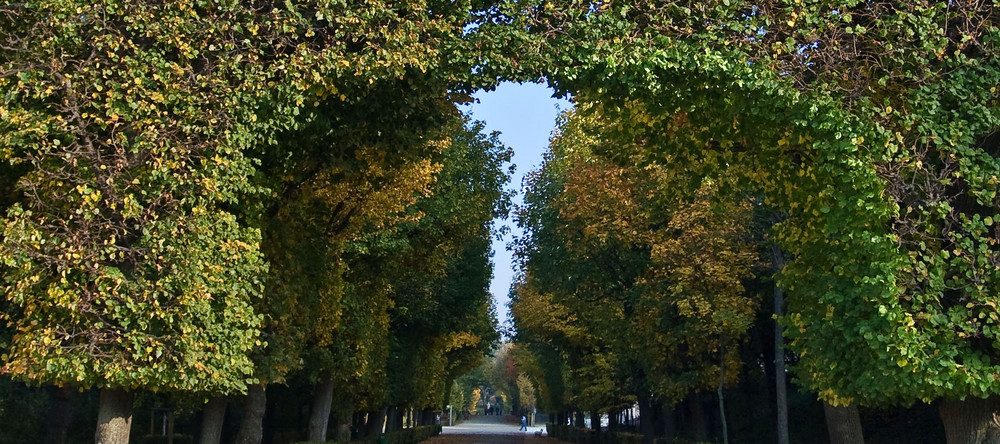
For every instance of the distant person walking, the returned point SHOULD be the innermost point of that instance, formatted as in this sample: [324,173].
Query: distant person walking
[524,423]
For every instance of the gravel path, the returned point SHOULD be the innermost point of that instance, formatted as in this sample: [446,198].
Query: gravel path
[490,430]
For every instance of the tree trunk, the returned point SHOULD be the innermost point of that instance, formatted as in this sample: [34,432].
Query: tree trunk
[319,418]
[780,385]
[114,417]
[669,423]
[595,420]
[252,425]
[376,419]
[170,427]
[972,421]
[646,418]
[343,421]
[722,400]
[698,418]
[393,419]
[844,424]
[60,415]
[579,419]
[390,418]
[357,424]
[613,420]
[212,417]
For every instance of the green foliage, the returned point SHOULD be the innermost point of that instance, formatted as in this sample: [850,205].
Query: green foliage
[870,124]
[166,150]
[632,272]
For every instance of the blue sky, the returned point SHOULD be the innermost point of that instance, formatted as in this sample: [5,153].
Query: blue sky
[525,115]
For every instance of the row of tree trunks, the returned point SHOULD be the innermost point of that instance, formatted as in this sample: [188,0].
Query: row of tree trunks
[115,417]
[970,421]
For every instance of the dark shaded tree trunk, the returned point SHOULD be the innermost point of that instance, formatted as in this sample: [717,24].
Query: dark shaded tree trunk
[394,419]
[114,417]
[170,427]
[319,417]
[390,419]
[780,386]
[722,399]
[357,425]
[669,423]
[343,421]
[699,420]
[613,420]
[376,419]
[595,420]
[252,425]
[972,421]
[427,416]
[579,420]
[60,415]
[646,422]
[212,417]
[844,424]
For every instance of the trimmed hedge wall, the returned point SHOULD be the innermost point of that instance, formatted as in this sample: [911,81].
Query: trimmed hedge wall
[405,436]
[580,435]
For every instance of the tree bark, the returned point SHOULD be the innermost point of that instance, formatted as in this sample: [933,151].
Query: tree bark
[780,386]
[170,427]
[972,421]
[595,420]
[393,419]
[343,418]
[428,416]
[698,418]
[646,422]
[376,419]
[722,400]
[669,423]
[319,417]
[613,420]
[579,419]
[252,425]
[60,415]
[114,417]
[212,417]
[844,424]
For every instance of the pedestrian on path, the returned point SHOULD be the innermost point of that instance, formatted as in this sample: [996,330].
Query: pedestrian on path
[524,423]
